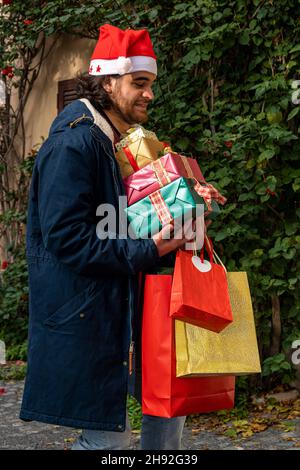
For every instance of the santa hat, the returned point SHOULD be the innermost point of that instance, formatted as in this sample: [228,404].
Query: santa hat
[120,52]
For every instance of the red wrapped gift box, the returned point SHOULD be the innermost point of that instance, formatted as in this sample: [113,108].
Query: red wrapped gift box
[159,173]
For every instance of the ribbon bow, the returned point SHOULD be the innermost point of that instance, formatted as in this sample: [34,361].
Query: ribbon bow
[209,192]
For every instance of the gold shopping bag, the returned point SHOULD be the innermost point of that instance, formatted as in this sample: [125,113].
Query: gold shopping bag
[232,351]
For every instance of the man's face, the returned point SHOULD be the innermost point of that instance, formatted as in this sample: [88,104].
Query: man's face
[131,95]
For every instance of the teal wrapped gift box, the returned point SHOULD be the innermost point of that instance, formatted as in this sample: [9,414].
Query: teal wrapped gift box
[181,200]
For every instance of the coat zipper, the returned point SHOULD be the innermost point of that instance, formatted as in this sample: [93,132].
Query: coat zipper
[131,343]
[117,186]
[131,349]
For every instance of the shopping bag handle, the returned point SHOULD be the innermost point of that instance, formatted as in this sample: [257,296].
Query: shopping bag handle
[213,256]
[216,257]
[209,248]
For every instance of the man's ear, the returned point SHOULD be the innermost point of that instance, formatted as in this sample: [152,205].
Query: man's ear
[107,84]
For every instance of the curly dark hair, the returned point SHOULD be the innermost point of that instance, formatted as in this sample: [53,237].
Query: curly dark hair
[91,87]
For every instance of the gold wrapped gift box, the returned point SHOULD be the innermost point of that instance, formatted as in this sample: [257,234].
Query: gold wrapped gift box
[233,351]
[143,146]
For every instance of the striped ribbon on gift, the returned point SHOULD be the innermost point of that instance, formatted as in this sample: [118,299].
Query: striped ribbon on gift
[209,192]
[161,208]
[205,190]
[161,173]
[187,167]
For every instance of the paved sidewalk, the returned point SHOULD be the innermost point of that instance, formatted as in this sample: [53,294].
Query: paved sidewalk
[16,434]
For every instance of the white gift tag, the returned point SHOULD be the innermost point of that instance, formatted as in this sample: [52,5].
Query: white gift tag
[202,267]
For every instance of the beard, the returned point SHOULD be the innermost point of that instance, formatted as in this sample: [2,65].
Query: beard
[127,111]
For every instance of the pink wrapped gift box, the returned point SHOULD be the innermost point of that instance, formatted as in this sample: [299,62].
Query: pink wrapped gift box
[159,173]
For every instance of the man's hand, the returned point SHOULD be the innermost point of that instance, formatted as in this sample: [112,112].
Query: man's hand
[165,241]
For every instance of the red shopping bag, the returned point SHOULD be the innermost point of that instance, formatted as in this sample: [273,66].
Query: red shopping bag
[164,394]
[200,298]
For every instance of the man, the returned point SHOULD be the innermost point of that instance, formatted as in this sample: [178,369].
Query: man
[83,287]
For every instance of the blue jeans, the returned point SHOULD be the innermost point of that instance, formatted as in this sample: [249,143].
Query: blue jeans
[157,434]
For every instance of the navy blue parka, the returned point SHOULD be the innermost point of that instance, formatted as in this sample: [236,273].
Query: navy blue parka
[82,290]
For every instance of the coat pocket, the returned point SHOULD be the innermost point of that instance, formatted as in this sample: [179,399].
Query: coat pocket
[78,315]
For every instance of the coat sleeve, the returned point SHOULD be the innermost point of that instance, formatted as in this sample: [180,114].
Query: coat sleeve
[66,202]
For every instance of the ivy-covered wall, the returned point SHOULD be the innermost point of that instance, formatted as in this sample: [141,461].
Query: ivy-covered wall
[227,72]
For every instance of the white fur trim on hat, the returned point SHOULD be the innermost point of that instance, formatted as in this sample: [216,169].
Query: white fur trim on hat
[123,65]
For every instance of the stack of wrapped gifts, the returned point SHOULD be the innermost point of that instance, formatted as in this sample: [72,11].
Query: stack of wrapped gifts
[161,185]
